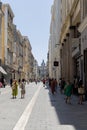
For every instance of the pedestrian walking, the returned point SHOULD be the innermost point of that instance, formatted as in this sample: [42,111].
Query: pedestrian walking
[11,80]
[43,82]
[19,81]
[1,84]
[14,88]
[50,82]
[53,86]
[81,92]
[3,81]
[76,82]
[62,85]
[22,86]
[68,91]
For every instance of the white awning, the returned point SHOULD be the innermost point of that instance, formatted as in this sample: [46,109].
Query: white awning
[2,70]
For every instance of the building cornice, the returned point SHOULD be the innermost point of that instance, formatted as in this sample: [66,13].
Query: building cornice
[9,8]
[83,25]
[65,28]
[66,25]
[74,7]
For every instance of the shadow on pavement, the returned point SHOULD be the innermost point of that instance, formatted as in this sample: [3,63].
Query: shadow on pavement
[73,114]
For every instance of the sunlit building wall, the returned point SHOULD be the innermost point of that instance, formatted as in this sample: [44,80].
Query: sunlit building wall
[50,59]
[54,44]
[15,48]
[52,40]
[57,25]
[26,57]
[15,72]
[1,15]
[20,54]
[47,64]
[31,75]
[7,39]
[36,70]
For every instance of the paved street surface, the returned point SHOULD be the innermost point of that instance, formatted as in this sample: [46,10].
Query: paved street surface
[40,110]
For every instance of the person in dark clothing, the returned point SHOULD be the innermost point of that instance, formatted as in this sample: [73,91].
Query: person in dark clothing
[3,81]
[43,82]
[19,81]
[81,91]
[62,85]
[11,80]
[53,88]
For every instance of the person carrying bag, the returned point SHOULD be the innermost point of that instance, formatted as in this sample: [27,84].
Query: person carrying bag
[81,92]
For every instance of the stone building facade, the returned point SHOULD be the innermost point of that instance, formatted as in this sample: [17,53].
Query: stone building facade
[15,53]
[83,30]
[70,40]
[54,44]
[68,24]
[7,39]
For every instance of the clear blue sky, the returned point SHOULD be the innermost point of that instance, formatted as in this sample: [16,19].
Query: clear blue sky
[33,18]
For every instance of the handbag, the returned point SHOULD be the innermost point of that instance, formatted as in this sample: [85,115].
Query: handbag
[81,90]
[13,87]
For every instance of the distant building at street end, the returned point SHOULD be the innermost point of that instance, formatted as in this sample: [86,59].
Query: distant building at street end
[42,70]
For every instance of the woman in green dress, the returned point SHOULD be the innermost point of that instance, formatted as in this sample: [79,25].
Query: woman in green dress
[68,92]
[14,88]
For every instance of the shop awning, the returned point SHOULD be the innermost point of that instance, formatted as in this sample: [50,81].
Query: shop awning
[2,70]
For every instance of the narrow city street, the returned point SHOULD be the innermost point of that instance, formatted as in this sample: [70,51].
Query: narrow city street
[43,41]
[40,110]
